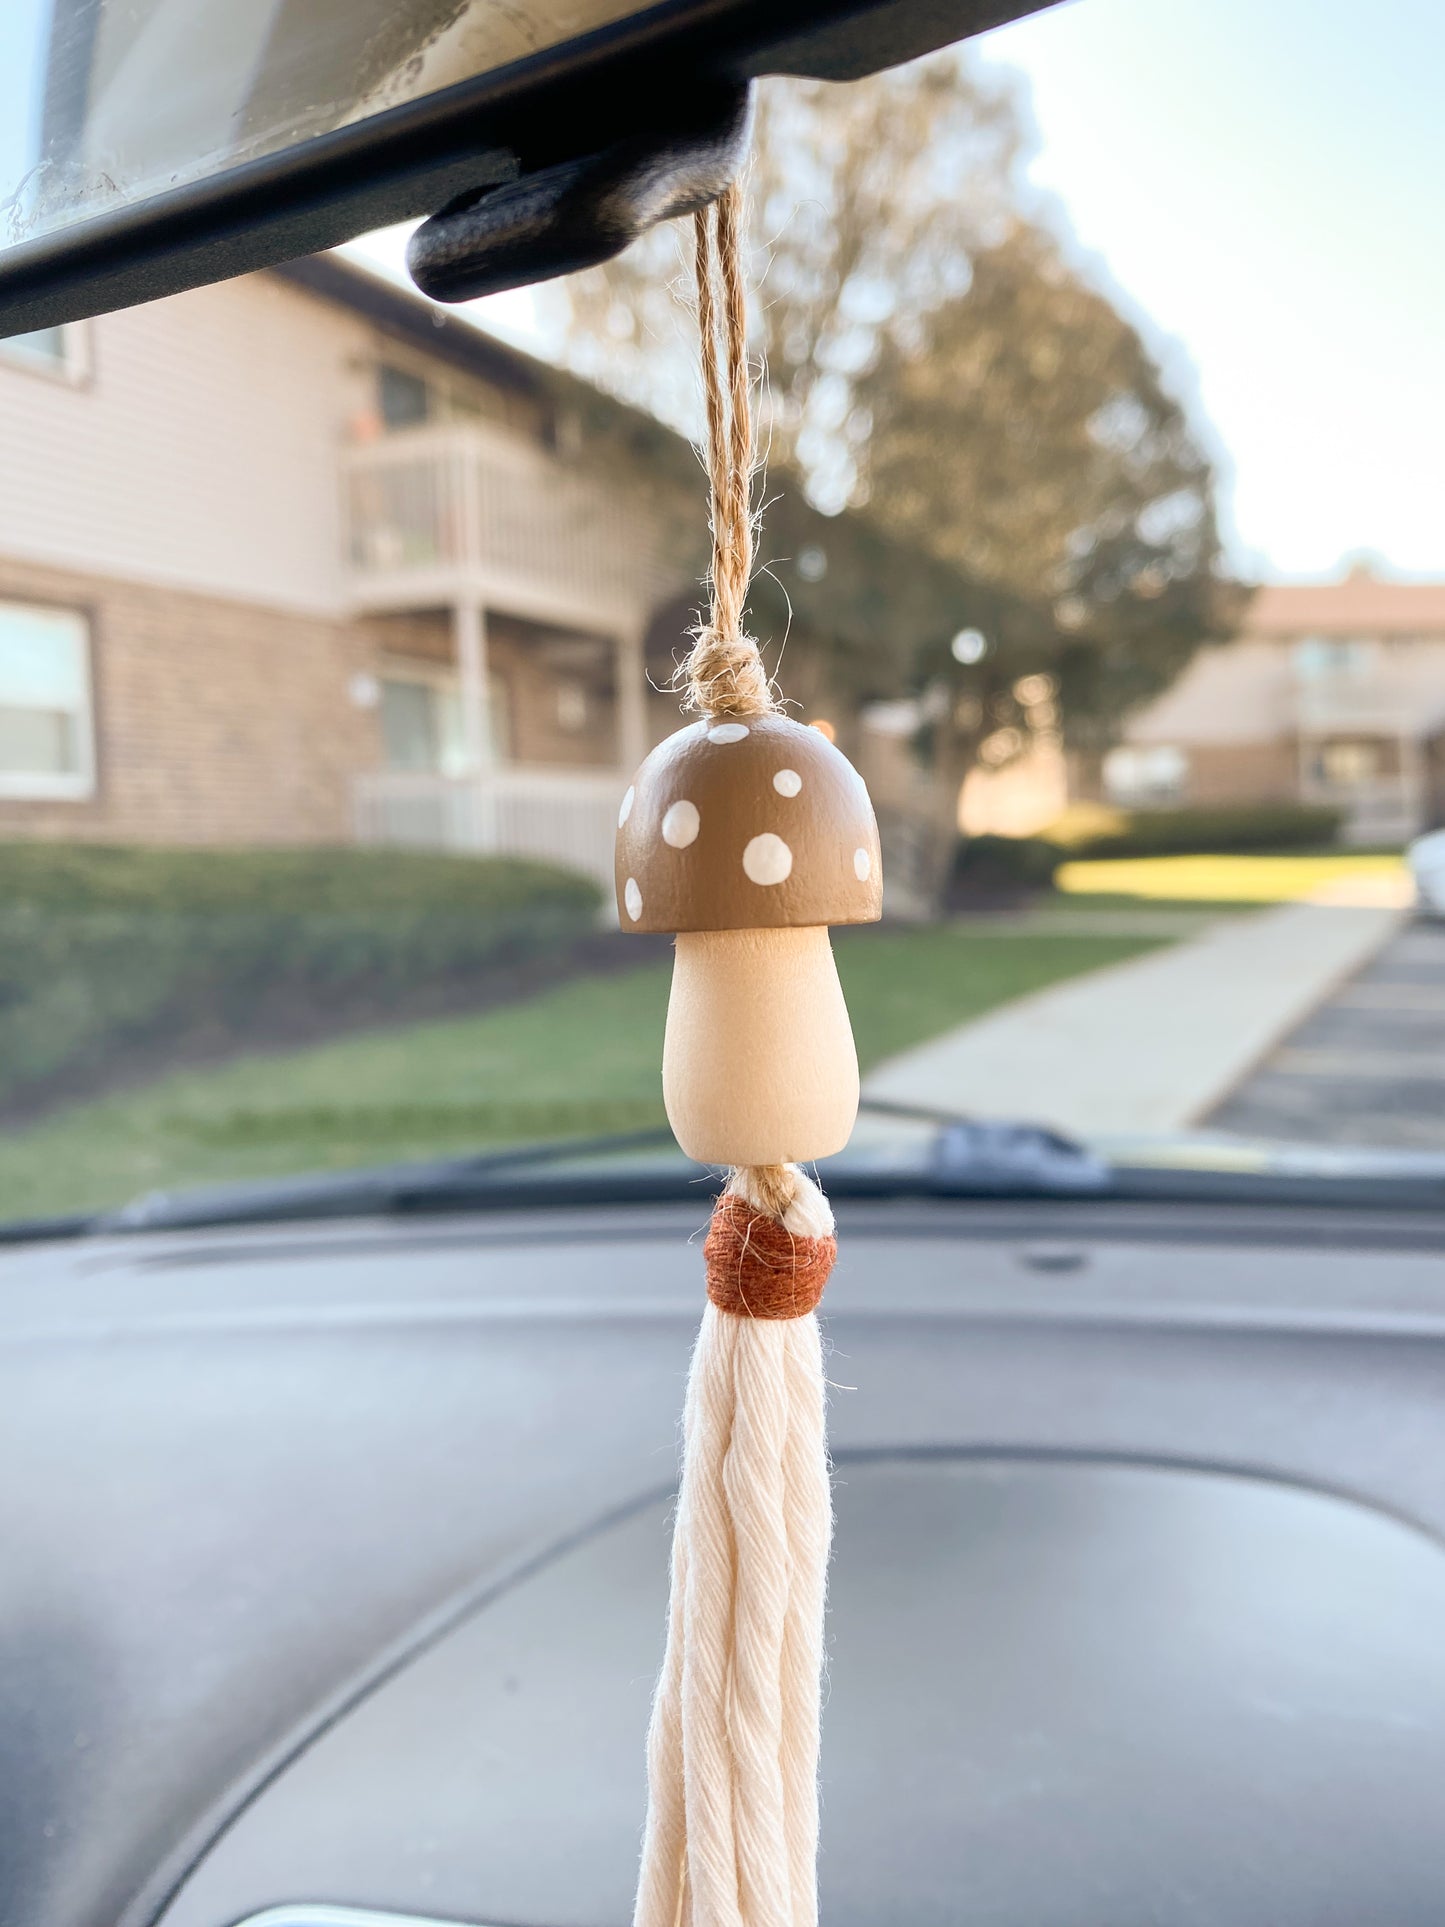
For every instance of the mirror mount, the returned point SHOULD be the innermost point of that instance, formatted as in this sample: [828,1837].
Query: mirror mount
[550,119]
[582,212]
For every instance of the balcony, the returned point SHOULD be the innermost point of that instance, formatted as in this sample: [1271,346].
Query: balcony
[1355,705]
[562,816]
[435,515]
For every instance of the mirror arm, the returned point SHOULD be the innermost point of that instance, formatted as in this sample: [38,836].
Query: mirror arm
[581,212]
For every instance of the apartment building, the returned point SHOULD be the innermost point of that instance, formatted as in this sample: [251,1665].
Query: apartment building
[303,559]
[1332,693]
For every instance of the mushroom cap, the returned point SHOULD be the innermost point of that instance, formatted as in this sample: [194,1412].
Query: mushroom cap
[756,825]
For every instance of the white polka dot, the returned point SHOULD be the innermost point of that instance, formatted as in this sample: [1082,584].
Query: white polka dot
[787,782]
[632,897]
[767,859]
[862,865]
[727,732]
[626,810]
[679,826]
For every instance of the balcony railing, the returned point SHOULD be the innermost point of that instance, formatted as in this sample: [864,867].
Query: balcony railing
[562,816]
[477,507]
[1378,809]
[1357,705]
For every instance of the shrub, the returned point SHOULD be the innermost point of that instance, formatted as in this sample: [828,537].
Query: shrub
[1223,831]
[106,948]
[996,870]
[97,876]
[989,871]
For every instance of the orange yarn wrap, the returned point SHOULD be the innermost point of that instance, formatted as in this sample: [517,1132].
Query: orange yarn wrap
[757,1268]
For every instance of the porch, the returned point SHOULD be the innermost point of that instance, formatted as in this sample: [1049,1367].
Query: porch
[1362,733]
[510,593]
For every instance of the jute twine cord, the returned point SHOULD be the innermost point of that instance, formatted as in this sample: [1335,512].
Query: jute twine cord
[757,1268]
[723,675]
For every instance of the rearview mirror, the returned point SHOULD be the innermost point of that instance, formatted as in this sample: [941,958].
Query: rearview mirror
[152,145]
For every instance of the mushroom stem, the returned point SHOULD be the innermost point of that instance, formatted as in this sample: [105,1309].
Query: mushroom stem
[758,1066]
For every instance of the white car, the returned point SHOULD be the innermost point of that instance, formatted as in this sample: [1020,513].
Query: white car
[1426,857]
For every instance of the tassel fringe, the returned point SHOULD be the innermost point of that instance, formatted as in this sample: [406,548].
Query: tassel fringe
[732,1824]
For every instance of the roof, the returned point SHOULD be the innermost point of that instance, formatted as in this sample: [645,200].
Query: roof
[447,337]
[1360,604]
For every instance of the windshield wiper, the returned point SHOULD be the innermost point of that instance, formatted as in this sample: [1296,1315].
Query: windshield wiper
[969,1156]
[952,1157]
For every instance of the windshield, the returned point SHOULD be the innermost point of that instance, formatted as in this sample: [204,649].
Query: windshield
[1100,530]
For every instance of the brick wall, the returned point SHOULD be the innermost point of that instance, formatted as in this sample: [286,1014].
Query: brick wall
[216,721]
[425,636]
[533,665]
[1242,773]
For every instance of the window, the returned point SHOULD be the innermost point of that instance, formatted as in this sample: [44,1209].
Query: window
[46,743]
[404,399]
[1146,775]
[1347,765]
[422,727]
[1319,657]
[573,709]
[52,351]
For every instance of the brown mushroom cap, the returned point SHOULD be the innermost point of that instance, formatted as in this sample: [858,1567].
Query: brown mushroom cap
[755,825]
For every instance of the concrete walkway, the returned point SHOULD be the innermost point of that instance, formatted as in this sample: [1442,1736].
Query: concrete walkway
[1150,1045]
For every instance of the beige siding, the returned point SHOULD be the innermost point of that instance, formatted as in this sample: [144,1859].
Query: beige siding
[200,453]
[1249,691]
[1237,692]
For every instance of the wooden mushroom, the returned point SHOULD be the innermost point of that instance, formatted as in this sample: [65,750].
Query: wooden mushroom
[747,839]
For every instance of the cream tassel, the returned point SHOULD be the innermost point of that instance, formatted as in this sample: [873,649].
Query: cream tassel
[732,1826]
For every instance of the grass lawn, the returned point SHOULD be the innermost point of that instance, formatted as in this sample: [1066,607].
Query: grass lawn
[583,1057]
[1225,879]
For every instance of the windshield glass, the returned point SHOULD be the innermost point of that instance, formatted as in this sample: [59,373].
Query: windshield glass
[1100,530]
[106,104]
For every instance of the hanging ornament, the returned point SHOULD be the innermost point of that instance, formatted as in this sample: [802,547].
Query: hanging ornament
[746,835]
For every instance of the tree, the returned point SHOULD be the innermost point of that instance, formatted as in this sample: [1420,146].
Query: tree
[866,204]
[936,359]
[1036,446]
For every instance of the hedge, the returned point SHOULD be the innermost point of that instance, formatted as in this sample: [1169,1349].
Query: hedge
[999,869]
[91,876]
[990,869]
[1222,831]
[104,948]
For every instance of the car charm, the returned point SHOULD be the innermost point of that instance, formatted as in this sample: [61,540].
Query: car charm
[746,834]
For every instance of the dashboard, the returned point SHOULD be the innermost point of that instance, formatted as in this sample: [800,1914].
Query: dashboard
[336,1564]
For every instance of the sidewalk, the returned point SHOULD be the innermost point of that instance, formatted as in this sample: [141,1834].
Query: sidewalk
[1150,1045]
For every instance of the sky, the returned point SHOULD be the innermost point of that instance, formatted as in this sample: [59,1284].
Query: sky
[1261,183]
[1265,179]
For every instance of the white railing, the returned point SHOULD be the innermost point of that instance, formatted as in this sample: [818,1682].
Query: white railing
[1348,704]
[562,816]
[1379,809]
[481,503]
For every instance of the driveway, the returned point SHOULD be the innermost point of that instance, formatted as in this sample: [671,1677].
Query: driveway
[1368,1067]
